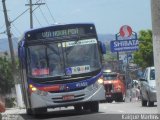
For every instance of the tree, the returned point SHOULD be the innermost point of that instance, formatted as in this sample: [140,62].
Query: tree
[6,78]
[144,56]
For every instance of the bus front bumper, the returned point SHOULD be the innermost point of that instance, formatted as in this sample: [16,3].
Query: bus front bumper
[53,100]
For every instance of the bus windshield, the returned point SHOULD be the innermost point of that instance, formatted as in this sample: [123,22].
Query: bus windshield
[110,76]
[63,58]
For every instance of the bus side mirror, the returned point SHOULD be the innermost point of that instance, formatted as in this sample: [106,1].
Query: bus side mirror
[102,47]
[21,50]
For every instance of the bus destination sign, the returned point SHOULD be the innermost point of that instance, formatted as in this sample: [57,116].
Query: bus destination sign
[59,33]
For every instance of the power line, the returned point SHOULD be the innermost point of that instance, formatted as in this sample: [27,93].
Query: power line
[19,15]
[50,12]
[43,15]
[37,19]
[2,26]
[16,29]
[31,11]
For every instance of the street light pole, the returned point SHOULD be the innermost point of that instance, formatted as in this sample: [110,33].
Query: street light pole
[155,11]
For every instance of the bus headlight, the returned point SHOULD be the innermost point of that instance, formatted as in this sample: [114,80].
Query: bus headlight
[100,81]
[95,85]
[33,89]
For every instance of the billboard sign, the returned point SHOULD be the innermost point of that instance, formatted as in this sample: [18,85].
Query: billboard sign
[125,31]
[126,40]
[124,45]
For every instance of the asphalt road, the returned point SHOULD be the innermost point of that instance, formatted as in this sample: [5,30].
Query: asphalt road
[108,111]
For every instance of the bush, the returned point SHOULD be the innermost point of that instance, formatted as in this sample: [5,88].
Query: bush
[10,102]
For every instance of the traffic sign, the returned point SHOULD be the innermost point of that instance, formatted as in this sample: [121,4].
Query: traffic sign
[125,31]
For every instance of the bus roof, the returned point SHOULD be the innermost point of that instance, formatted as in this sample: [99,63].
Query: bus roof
[57,24]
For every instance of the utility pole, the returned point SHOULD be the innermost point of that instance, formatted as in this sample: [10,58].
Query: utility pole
[9,39]
[31,16]
[17,86]
[155,11]
[31,11]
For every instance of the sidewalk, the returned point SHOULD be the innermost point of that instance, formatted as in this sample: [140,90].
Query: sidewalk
[12,113]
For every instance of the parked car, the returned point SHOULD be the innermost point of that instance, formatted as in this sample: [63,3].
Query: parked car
[114,84]
[148,87]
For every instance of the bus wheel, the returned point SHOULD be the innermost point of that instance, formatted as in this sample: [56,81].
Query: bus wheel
[150,104]
[38,111]
[86,106]
[28,111]
[78,107]
[94,106]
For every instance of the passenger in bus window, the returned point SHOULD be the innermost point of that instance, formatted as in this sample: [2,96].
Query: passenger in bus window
[42,64]
[40,68]
[56,69]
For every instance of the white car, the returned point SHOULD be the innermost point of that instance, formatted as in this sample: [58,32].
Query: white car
[148,87]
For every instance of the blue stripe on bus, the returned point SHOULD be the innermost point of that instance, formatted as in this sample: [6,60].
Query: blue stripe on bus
[72,86]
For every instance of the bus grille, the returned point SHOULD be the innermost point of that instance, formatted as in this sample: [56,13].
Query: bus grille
[62,91]
[76,98]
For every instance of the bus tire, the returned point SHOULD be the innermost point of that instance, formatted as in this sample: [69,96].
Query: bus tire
[144,102]
[39,111]
[29,111]
[86,106]
[94,106]
[150,103]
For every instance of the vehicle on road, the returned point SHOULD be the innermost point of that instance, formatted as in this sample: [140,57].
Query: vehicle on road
[148,87]
[60,67]
[114,84]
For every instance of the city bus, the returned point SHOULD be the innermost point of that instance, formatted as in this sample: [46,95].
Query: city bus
[60,66]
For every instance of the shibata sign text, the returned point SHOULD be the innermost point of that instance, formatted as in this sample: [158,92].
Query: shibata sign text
[124,45]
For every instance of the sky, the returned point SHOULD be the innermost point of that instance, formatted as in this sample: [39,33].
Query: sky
[107,15]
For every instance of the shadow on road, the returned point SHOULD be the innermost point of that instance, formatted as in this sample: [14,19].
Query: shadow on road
[56,114]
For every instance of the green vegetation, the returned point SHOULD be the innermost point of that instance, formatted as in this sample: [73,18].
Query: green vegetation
[6,78]
[109,56]
[144,56]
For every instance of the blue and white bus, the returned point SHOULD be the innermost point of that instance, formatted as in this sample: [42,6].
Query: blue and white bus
[61,66]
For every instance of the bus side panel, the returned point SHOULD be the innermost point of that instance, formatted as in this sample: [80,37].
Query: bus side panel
[24,82]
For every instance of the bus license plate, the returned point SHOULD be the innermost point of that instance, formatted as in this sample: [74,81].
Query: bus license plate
[68,97]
